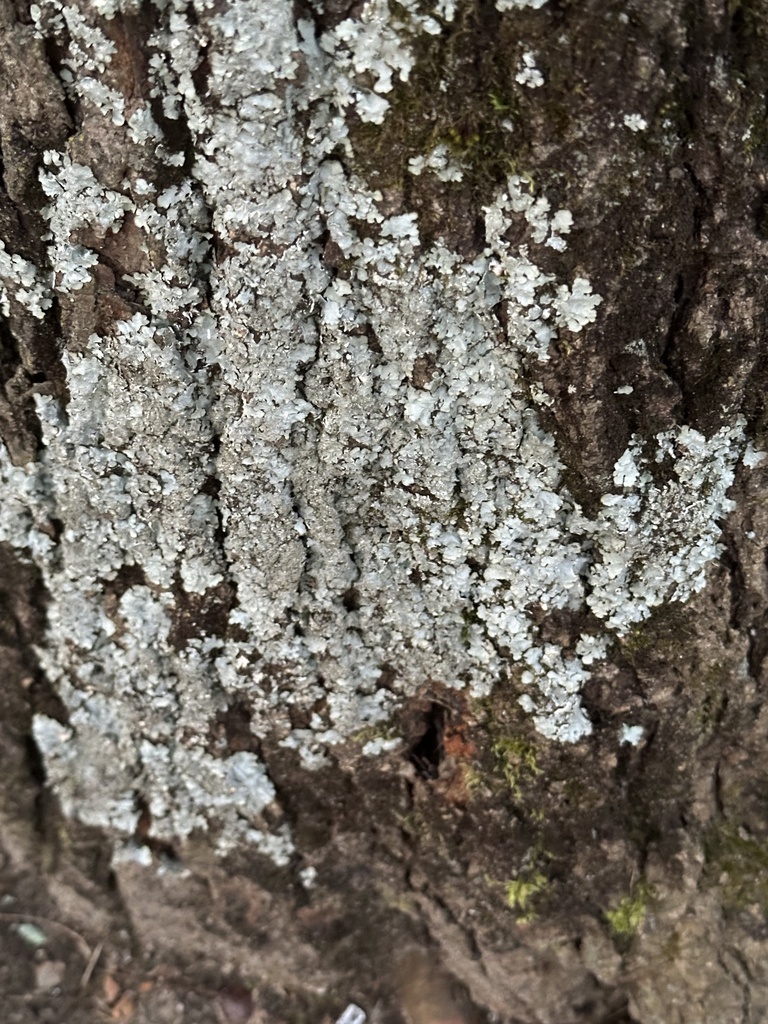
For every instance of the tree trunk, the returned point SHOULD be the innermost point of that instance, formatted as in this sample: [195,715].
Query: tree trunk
[383,524]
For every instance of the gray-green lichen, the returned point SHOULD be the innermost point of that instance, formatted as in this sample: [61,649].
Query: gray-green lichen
[298,429]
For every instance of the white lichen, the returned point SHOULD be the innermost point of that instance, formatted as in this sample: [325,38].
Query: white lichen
[635,122]
[527,72]
[109,101]
[22,280]
[354,456]
[440,162]
[632,734]
[78,201]
[653,542]
[518,5]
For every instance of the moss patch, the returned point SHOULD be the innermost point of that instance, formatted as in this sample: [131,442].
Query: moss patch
[516,757]
[461,94]
[520,894]
[738,866]
[628,915]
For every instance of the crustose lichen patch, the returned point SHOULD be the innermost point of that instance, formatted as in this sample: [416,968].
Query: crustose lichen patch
[302,429]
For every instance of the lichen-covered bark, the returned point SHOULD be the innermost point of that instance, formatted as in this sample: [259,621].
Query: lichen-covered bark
[382,463]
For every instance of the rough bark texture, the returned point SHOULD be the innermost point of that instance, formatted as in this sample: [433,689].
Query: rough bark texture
[375,623]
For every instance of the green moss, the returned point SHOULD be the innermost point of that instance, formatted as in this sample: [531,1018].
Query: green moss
[712,686]
[520,892]
[516,757]
[414,825]
[738,866]
[380,731]
[473,779]
[627,917]
[461,93]
[668,631]
[755,138]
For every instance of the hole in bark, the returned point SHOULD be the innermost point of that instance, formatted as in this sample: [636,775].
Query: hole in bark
[34,761]
[373,342]
[761,216]
[618,1014]
[427,752]
[231,731]
[57,527]
[212,484]
[201,614]
[143,837]
[127,576]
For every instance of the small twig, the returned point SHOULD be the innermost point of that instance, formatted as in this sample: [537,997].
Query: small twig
[94,959]
[83,948]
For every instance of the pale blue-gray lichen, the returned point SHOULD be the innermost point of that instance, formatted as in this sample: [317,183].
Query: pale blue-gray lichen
[340,463]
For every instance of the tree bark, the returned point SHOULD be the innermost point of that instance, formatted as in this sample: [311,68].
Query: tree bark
[383,511]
